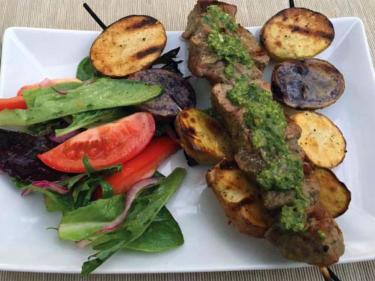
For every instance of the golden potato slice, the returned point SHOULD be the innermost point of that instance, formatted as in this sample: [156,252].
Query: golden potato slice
[239,198]
[296,33]
[321,140]
[128,45]
[334,195]
[202,137]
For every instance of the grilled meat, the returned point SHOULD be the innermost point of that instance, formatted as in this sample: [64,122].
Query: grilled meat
[248,159]
[204,63]
[322,242]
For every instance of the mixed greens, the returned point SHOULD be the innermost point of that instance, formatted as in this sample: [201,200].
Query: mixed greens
[149,226]
[91,146]
[100,207]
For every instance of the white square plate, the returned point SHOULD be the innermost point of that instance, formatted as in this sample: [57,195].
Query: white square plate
[30,55]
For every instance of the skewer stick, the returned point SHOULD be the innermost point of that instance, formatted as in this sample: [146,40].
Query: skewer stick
[291,3]
[94,16]
[328,274]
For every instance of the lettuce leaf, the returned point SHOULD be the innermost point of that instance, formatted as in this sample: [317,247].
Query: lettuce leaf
[91,118]
[85,70]
[163,234]
[103,93]
[143,212]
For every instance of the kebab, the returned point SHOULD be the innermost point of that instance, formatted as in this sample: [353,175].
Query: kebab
[264,139]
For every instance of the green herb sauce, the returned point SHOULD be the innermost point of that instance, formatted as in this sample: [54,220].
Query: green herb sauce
[265,117]
[322,235]
[283,170]
[223,40]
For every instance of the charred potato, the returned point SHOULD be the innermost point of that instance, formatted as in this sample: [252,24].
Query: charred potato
[296,33]
[321,140]
[128,45]
[177,95]
[202,137]
[307,84]
[334,195]
[239,198]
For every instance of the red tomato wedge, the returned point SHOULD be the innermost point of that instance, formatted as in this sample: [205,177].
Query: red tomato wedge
[45,84]
[109,144]
[13,103]
[142,166]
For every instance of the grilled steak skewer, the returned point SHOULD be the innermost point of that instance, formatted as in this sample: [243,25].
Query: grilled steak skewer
[227,55]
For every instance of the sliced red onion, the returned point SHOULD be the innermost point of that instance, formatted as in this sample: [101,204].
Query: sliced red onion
[51,186]
[63,138]
[25,192]
[130,196]
[83,243]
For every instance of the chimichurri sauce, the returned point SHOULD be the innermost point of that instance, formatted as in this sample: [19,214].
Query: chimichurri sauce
[264,116]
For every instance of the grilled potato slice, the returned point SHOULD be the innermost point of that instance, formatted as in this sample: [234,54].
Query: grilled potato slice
[202,137]
[128,45]
[239,198]
[296,33]
[321,140]
[307,84]
[177,93]
[334,195]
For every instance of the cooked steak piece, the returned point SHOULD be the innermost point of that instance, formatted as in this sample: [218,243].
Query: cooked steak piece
[195,16]
[248,159]
[321,244]
[205,63]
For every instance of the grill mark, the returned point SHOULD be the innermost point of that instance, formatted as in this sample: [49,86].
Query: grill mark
[258,53]
[148,21]
[148,51]
[316,33]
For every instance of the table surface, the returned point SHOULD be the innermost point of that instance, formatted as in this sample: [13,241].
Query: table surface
[69,14]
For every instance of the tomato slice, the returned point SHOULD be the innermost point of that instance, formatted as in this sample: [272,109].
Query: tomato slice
[46,83]
[143,165]
[13,103]
[109,144]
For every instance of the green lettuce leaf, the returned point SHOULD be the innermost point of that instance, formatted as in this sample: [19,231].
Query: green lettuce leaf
[31,95]
[163,234]
[84,222]
[85,71]
[54,201]
[142,213]
[103,93]
[91,118]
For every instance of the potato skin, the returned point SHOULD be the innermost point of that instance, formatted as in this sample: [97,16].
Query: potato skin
[321,140]
[296,33]
[307,84]
[178,93]
[128,45]
[202,137]
[334,195]
[239,198]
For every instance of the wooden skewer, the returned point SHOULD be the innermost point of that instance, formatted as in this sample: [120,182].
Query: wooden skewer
[94,16]
[328,274]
